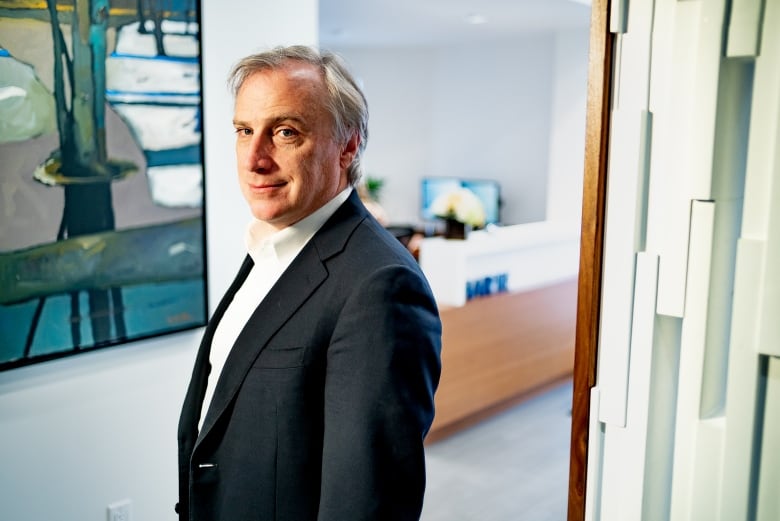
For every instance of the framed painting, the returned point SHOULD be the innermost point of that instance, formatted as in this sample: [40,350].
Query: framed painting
[102,232]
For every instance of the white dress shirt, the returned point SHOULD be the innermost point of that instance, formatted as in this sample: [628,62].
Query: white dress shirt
[271,255]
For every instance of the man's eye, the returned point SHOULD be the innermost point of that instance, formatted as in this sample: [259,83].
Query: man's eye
[244,131]
[286,132]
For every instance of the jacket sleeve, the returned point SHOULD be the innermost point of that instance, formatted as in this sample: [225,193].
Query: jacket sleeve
[383,367]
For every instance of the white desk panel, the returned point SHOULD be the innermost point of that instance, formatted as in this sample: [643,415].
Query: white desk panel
[529,255]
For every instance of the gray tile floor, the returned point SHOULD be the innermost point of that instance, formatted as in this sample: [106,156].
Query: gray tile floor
[511,467]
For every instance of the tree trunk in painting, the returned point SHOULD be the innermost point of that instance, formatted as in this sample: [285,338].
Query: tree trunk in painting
[157,15]
[84,169]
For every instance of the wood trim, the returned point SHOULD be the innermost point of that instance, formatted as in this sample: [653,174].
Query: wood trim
[591,246]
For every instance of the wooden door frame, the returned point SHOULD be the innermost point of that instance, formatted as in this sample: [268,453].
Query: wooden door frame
[591,249]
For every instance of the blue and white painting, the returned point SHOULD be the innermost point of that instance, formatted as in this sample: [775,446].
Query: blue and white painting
[101,176]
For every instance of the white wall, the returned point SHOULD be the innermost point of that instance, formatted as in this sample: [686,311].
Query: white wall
[567,132]
[82,432]
[399,86]
[505,110]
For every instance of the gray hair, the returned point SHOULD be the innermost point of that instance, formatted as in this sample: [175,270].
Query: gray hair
[345,102]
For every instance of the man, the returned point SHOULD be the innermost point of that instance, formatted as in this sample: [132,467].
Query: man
[313,388]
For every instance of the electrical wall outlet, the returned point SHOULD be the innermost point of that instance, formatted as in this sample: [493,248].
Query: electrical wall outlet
[120,511]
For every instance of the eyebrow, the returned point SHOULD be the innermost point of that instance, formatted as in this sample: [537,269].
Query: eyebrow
[274,121]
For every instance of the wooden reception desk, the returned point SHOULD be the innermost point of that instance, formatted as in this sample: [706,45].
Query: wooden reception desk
[501,348]
[508,301]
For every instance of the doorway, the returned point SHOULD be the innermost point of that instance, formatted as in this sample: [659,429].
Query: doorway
[438,108]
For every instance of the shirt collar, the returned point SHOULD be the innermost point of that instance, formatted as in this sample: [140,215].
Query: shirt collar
[284,245]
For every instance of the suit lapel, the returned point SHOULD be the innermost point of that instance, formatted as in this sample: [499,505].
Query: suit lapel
[304,275]
[188,422]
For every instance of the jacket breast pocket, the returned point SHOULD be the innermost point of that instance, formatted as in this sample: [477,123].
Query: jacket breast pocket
[276,357]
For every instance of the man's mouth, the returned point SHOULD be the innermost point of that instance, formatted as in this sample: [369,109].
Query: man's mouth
[266,187]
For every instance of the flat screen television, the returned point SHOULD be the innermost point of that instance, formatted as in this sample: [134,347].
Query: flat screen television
[488,191]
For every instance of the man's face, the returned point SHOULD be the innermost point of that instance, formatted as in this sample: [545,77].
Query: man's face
[289,163]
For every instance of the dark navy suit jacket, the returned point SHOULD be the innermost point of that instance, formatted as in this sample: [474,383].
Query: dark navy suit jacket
[325,399]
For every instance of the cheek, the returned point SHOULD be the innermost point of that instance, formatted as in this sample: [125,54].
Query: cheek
[309,166]
[327,161]
[241,159]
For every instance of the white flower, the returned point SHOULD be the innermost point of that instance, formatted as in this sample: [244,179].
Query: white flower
[462,205]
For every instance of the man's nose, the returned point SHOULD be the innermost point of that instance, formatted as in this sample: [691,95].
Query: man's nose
[258,157]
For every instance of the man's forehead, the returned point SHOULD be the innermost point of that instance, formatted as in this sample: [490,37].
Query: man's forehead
[294,75]
[300,95]
[296,69]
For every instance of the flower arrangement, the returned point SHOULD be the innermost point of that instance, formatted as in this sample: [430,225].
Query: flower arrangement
[461,205]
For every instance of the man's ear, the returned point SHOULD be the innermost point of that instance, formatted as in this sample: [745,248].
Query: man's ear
[349,150]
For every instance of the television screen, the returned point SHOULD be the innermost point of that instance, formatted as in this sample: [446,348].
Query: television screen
[488,191]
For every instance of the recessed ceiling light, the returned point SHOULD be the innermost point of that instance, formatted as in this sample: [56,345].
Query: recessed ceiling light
[476,19]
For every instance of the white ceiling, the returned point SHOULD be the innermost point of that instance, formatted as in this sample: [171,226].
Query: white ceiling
[390,23]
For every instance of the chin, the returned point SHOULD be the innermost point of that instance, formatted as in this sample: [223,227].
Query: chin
[265,214]
[261,213]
